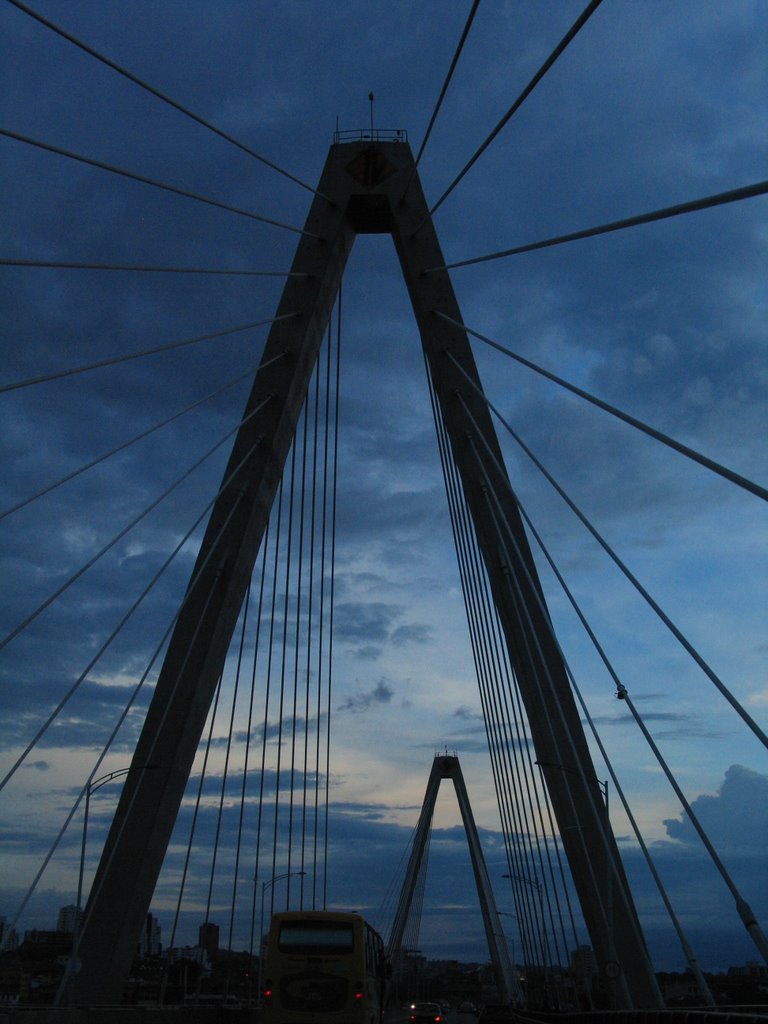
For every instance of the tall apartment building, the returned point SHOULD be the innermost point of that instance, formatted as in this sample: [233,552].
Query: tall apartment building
[208,939]
[67,919]
[149,940]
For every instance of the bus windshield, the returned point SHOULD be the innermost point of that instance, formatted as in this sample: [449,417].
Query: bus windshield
[315,937]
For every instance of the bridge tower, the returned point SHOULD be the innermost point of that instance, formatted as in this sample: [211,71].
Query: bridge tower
[446,766]
[369,186]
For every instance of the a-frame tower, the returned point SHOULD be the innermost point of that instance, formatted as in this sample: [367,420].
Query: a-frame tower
[446,766]
[368,186]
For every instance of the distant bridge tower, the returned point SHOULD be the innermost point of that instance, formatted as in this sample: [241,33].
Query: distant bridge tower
[446,766]
[368,186]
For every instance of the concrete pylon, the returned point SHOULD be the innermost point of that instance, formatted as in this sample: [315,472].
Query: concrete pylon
[446,766]
[368,186]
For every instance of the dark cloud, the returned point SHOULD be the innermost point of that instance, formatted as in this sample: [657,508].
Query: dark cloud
[467,713]
[382,693]
[283,729]
[87,720]
[370,626]
[682,725]
[412,634]
[652,716]
[368,622]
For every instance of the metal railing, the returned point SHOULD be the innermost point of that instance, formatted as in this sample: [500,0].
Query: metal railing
[370,135]
[676,1015]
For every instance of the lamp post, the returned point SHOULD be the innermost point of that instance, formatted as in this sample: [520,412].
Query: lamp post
[264,886]
[543,944]
[73,964]
[534,884]
[603,789]
[602,786]
[506,913]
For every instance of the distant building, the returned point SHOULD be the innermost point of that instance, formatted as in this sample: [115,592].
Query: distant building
[584,970]
[67,918]
[47,942]
[752,969]
[678,989]
[194,953]
[584,962]
[208,939]
[149,940]
[9,937]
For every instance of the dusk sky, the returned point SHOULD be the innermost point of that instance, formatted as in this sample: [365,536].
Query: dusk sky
[653,104]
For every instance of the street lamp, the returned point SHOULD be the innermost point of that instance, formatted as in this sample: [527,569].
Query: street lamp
[73,964]
[602,786]
[541,940]
[610,866]
[535,884]
[264,886]
[506,913]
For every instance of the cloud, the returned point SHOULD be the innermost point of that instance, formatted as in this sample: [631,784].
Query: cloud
[412,634]
[685,725]
[467,713]
[369,627]
[652,716]
[736,817]
[758,699]
[371,621]
[381,693]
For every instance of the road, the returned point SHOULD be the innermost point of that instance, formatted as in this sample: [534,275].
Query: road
[400,1015]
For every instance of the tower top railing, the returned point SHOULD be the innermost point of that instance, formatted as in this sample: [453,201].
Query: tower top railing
[370,135]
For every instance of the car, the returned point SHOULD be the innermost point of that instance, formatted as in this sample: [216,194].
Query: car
[426,1013]
[467,1008]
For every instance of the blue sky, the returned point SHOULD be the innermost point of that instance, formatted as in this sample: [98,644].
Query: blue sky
[653,104]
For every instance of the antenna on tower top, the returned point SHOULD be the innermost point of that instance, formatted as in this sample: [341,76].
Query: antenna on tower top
[370,100]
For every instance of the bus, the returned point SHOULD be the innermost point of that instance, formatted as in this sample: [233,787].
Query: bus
[323,966]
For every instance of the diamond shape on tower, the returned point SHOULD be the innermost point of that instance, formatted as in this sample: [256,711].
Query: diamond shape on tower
[370,167]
